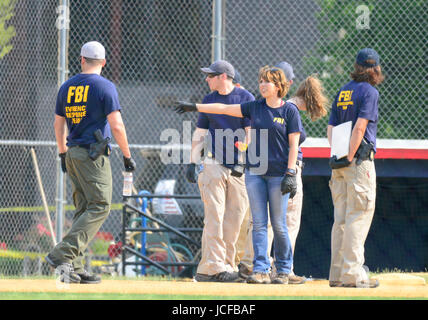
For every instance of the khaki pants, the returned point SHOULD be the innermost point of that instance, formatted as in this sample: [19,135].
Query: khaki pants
[353,191]
[244,245]
[92,193]
[225,203]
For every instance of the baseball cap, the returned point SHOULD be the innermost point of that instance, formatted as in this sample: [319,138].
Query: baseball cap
[219,67]
[367,54]
[93,50]
[237,77]
[287,68]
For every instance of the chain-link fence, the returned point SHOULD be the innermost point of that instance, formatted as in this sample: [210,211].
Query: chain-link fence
[154,52]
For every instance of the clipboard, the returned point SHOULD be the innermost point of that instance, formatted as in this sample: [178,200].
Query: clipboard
[340,139]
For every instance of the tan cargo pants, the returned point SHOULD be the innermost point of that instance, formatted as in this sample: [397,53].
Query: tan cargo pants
[353,191]
[244,246]
[225,204]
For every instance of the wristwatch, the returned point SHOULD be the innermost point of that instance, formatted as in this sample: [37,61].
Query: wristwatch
[291,172]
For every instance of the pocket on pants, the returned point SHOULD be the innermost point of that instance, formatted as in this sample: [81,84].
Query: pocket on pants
[335,190]
[201,185]
[364,198]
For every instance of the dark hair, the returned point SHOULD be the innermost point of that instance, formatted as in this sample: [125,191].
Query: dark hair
[372,75]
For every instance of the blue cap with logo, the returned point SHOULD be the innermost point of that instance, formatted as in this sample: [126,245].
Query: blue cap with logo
[367,54]
[219,67]
[287,68]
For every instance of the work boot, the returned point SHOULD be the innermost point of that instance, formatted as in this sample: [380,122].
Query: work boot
[281,278]
[243,272]
[259,278]
[334,284]
[293,279]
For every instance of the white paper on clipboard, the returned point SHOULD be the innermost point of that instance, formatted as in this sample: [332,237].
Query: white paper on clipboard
[340,138]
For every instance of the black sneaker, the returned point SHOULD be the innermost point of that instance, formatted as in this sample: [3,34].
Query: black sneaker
[86,277]
[65,271]
[227,276]
[199,277]
[219,277]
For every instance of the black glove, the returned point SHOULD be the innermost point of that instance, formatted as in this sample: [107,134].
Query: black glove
[183,107]
[191,174]
[63,166]
[129,164]
[289,185]
[238,170]
[338,163]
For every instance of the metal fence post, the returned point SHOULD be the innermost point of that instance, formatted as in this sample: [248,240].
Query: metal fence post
[63,11]
[218,30]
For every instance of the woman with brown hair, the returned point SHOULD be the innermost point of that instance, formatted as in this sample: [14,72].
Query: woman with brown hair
[310,97]
[276,130]
[353,177]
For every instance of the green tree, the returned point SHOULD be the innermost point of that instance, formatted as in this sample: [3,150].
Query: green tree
[7,32]
[397,31]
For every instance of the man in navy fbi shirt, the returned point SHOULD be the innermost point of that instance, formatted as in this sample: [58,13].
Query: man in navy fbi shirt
[222,181]
[86,103]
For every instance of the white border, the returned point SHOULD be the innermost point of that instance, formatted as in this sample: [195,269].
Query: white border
[380,144]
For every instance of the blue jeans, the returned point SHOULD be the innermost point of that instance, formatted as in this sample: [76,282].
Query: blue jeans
[264,190]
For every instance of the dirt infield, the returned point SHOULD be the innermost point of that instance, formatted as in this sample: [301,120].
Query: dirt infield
[391,286]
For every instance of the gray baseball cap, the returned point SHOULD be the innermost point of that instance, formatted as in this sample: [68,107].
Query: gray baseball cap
[287,68]
[93,50]
[219,67]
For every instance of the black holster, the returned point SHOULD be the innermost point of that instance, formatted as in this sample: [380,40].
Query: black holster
[365,152]
[101,147]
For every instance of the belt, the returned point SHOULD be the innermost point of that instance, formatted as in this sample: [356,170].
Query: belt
[86,146]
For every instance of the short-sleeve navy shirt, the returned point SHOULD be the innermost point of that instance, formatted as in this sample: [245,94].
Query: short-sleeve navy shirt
[279,122]
[85,100]
[220,123]
[302,137]
[357,100]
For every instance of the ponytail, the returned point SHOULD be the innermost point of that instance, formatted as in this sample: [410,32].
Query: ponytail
[312,92]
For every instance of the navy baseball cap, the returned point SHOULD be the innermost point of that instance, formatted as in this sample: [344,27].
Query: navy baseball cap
[367,54]
[287,68]
[219,67]
[237,77]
